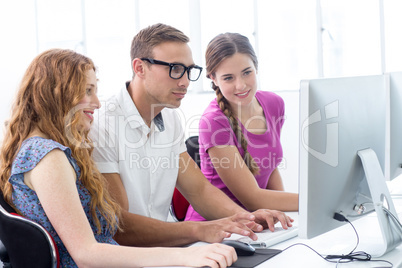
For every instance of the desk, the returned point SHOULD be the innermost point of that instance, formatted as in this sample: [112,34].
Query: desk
[339,241]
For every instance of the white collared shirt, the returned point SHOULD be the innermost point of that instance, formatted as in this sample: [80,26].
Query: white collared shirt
[146,158]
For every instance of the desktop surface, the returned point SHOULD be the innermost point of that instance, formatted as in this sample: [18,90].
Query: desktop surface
[341,241]
[338,241]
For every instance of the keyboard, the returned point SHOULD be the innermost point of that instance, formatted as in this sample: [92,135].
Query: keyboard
[266,238]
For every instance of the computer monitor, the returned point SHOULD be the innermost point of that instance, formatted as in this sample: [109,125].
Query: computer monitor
[394,144]
[342,154]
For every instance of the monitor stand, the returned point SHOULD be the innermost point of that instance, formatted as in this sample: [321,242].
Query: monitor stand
[391,233]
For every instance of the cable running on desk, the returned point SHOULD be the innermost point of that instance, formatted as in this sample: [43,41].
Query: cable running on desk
[351,256]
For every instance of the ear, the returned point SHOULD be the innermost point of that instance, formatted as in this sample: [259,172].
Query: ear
[138,67]
[213,80]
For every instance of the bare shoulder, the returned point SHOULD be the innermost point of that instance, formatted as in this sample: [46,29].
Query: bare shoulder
[54,157]
[54,165]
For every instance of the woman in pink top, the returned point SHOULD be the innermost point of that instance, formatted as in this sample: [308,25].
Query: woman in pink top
[239,132]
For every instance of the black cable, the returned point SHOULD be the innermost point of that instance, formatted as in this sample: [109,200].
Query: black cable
[324,257]
[351,256]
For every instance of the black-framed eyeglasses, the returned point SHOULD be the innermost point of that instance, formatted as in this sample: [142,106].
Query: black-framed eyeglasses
[177,70]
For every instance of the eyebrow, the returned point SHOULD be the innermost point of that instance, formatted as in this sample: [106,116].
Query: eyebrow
[245,69]
[226,75]
[191,65]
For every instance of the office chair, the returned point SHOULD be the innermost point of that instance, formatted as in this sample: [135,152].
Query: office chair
[193,149]
[180,205]
[24,243]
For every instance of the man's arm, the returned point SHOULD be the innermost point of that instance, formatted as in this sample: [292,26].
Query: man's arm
[145,231]
[207,200]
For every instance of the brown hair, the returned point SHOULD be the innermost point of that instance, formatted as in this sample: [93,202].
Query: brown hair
[51,87]
[220,48]
[144,42]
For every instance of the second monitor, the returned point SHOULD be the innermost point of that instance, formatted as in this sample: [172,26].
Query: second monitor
[342,155]
[393,162]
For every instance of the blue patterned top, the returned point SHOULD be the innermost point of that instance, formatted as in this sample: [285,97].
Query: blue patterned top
[26,200]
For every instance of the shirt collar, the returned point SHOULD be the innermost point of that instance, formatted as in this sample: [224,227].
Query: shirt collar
[131,111]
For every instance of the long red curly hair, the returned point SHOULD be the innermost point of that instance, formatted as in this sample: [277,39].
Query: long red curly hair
[51,87]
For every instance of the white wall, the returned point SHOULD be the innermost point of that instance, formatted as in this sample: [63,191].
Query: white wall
[16,49]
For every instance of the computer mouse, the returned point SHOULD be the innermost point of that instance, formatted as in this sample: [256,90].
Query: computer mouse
[241,248]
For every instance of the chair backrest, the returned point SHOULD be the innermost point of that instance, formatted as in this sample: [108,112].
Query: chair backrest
[179,203]
[193,148]
[26,242]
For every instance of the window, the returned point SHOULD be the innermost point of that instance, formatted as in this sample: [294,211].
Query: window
[110,27]
[60,24]
[287,46]
[392,35]
[351,37]
[224,16]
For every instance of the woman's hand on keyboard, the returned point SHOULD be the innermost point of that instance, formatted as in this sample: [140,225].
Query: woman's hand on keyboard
[268,217]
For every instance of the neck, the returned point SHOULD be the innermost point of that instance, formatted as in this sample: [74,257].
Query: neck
[247,111]
[252,117]
[146,108]
[37,133]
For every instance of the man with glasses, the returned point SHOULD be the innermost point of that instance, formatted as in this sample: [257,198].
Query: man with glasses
[177,70]
[139,148]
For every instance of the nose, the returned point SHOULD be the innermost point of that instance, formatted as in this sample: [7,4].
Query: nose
[240,84]
[95,101]
[184,82]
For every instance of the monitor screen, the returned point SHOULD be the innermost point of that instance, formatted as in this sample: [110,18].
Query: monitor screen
[339,117]
[394,144]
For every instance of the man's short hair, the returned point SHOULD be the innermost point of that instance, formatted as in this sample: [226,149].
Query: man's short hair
[144,42]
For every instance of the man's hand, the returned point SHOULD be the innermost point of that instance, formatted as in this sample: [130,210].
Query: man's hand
[242,223]
[267,218]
